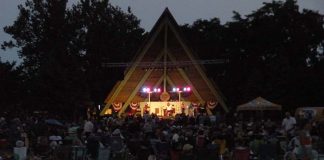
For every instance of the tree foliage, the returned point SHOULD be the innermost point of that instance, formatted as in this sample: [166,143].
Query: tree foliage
[11,86]
[63,50]
[272,52]
[107,34]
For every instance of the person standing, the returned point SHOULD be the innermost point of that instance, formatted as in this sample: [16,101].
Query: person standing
[288,125]
[303,148]
[88,128]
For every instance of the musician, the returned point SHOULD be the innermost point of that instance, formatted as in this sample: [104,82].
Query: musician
[169,110]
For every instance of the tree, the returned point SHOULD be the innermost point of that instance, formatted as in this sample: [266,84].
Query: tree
[44,34]
[10,86]
[107,34]
[63,50]
[206,36]
[281,44]
[272,52]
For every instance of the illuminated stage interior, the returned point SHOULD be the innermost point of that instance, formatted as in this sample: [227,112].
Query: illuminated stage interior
[164,77]
[166,109]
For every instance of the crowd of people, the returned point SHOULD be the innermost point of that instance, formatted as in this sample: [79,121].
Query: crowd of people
[150,137]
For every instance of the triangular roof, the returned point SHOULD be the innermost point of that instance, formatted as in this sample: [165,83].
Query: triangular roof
[164,38]
[259,103]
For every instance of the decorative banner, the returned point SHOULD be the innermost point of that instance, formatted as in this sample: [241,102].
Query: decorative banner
[212,104]
[165,96]
[195,105]
[117,106]
[133,105]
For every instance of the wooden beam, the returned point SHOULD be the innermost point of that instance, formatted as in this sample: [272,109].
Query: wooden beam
[133,67]
[136,89]
[185,77]
[209,112]
[173,84]
[198,67]
[155,85]
[138,86]
[168,79]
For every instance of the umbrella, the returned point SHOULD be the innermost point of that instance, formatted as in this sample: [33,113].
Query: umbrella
[54,122]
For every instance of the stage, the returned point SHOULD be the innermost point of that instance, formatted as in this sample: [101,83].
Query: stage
[166,109]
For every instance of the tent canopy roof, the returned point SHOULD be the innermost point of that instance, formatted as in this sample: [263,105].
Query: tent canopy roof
[258,103]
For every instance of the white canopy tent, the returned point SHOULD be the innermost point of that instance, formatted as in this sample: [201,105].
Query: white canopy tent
[258,104]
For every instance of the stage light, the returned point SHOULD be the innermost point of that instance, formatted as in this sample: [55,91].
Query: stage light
[178,89]
[185,89]
[159,90]
[174,89]
[146,90]
[155,90]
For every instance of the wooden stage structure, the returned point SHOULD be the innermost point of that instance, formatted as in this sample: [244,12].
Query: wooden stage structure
[164,53]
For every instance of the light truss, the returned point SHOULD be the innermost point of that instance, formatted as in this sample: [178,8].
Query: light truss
[161,64]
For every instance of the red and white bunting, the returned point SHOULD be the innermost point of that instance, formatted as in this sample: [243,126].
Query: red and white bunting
[117,106]
[133,105]
[195,105]
[211,104]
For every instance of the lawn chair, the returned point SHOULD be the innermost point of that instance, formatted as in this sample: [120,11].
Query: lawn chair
[117,146]
[104,153]
[267,152]
[213,151]
[320,149]
[163,150]
[79,153]
[241,154]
